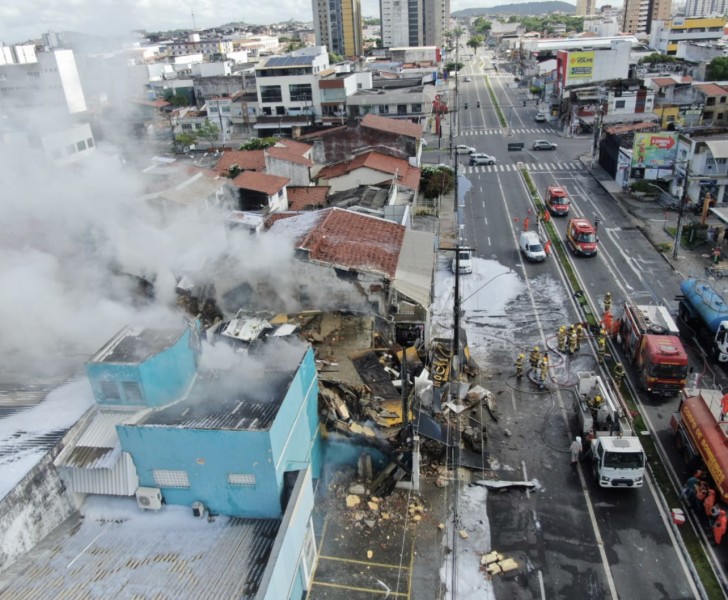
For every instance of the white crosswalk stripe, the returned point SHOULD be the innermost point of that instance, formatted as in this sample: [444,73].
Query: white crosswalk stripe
[504,131]
[504,168]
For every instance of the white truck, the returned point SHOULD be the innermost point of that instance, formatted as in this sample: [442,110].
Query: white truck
[615,453]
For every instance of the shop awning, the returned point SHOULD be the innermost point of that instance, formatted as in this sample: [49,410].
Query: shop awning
[719,148]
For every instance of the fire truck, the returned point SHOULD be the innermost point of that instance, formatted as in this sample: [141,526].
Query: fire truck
[581,237]
[700,434]
[649,338]
[557,200]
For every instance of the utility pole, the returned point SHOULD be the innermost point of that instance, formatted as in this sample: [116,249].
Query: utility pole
[681,212]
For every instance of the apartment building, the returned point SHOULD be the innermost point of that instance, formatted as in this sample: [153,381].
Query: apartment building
[414,22]
[666,35]
[584,8]
[338,26]
[704,8]
[640,14]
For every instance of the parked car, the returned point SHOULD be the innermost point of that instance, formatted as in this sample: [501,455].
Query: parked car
[540,117]
[531,247]
[463,149]
[467,79]
[543,145]
[465,262]
[481,159]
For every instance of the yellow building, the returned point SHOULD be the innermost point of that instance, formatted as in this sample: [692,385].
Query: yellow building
[666,34]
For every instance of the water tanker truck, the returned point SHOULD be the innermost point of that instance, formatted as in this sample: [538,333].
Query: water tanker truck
[702,305]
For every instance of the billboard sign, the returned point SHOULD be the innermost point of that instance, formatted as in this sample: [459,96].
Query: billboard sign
[580,65]
[654,150]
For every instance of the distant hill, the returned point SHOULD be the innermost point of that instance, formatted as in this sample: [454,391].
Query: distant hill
[523,8]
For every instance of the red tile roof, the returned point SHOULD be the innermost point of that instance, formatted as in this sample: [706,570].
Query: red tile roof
[664,81]
[346,239]
[397,126]
[247,160]
[260,182]
[409,176]
[303,197]
[159,103]
[289,155]
[711,89]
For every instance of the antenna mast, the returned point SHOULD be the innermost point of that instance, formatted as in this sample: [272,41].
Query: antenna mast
[194,25]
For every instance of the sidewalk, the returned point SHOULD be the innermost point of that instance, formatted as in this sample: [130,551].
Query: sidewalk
[651,218]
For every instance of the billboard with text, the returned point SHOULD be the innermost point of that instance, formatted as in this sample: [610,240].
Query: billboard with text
[654,150]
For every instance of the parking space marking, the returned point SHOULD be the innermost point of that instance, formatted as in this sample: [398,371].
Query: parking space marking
[368,563]
[385,593]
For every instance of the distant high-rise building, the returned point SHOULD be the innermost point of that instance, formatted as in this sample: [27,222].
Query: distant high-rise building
[704,8]
[338,26]
[414,22]
[639,14]
[585,8]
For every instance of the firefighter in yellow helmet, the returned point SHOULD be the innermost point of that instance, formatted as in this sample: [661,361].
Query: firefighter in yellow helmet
[534,357]
[561,338]
[607,302]
[573,341]
[544,373]
[519,366]
[581,336]
[618,374]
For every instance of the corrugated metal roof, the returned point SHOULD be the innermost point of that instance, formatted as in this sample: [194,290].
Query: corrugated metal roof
[415,267]
[98,446]
[288,61]
[151,556]
[244,399]
[135,346]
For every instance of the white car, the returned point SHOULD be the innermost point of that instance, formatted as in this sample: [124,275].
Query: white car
[467,80]
[540,117]
[531,247]
[465,262]
[478,158]
[543,145]
[463,149]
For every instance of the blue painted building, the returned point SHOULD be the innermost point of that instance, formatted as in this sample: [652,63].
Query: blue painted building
[147,367]
[237,440]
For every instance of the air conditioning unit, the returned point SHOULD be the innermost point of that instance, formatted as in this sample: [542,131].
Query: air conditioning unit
[198,509]
[149,498]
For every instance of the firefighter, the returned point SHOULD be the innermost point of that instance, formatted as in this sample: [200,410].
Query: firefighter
[601,349]
[580,335]
[561,338]
[618,374]
[720,522]
[573,342]
[519,366]
[709,502]
[544,365]
[607,302]
[534,358]
[526,221]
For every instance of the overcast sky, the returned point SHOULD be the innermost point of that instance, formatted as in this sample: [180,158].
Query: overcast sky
[20,21]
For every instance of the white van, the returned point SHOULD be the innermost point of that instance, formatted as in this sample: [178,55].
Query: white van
[531,247]
[466,262]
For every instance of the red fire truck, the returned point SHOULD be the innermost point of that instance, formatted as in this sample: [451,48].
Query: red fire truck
[557,200]
[700,433]
[581,237]
[649,338]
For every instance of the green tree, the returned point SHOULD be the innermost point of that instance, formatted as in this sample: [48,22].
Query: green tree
[208,132]
[234,171]
[453,66]
[475,42]
[717,69]
[482,26]
[184,140]
[656,58]
[435,181]
[179,100]
[258,143]
[335,58]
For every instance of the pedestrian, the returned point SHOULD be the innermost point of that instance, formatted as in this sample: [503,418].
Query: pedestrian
[618,375]
[547,247]
[607,302]
[720,522]
[546,216]
[519,367]
[525,224]
[716,255]
[709,502]
[524,103]
[590,437]
[575,450]
[688,491]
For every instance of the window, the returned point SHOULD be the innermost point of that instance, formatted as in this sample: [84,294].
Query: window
[225,109]
[109,390]
[186,127]
[280,111]
[271,93]
[416,108]
[720,161]
[132,391]
[710,102]
[170,479]
[719,116]
[90,142]
[81,146]
[619,103]
[241,479]
[383,109]
[212,108]
[708,114]
[300,92]
[401,109]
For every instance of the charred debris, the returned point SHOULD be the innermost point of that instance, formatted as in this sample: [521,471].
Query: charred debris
[382,393]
